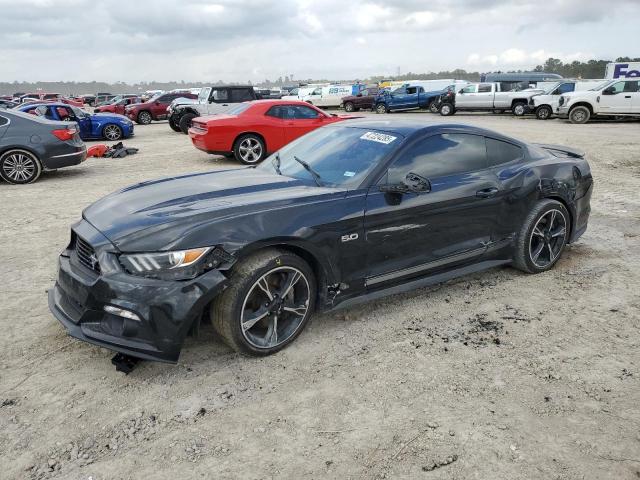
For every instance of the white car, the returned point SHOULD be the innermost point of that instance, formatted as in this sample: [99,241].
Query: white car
[546,103]
[612,98]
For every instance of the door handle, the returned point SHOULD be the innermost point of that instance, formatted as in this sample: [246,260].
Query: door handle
[487,192]
[627,96]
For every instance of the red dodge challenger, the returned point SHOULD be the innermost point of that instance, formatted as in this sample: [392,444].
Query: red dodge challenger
[251,130]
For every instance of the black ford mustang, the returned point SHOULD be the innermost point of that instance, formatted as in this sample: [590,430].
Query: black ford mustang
[347,213]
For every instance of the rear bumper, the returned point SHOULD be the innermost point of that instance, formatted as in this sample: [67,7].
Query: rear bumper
[166,310]
[209,143]
[65,157]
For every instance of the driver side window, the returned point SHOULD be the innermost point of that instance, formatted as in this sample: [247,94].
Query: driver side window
[440,155]
[469,89]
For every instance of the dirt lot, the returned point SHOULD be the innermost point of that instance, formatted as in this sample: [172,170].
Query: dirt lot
[499,375]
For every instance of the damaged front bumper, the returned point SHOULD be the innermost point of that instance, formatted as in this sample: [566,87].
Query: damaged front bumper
[144,318]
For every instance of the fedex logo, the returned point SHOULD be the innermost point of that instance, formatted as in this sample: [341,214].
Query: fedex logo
[621,71]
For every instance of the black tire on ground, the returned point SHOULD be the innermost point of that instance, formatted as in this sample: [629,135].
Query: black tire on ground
[433,106]
[144,118]
[579,114]
[247,287]
[536,233]
[349,107]
[19,167]
[112,132]
[174,127]
[519,109]
[249,149]
[446,109]
[185,122]
[544,112]
[381,108]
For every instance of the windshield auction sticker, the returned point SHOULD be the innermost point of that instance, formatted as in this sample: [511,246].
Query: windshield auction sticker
[378,137]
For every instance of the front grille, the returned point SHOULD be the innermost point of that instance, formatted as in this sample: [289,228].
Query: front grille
[87,255]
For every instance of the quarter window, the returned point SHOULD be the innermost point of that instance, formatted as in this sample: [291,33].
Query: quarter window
[239,95]
[499,152]
[440,155]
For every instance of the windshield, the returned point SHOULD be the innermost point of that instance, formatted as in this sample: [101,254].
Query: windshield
[601,86]
[203,96]
[341,156]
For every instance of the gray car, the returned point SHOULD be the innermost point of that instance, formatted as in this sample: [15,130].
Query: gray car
[30,144]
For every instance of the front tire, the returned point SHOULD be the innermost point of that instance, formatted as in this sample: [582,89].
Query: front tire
[579,114]
[173,126]
[349,107]
[542,238]
[185,122]
[112,132]
[433,106]
[144,118]
[543,112]
[382,108]
[447,109]
[519,109]
[249,149]
[19,167]
[269,302]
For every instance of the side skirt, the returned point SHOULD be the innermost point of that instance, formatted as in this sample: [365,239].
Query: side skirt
[418,283]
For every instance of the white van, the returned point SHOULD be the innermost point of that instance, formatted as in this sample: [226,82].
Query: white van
[546,103]
[622,70]
[330,96]
[299,93]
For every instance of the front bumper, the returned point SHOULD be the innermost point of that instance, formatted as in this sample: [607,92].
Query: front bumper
[167,309]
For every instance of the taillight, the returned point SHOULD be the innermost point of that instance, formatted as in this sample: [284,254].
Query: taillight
[65,134]
[199,127]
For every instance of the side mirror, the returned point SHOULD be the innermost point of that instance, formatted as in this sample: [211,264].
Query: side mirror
[461,92]
[359,95]
[412,183]
[609,91]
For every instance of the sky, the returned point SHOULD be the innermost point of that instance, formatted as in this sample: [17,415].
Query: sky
[250,40]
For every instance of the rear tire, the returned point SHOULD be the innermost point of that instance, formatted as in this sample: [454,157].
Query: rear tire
[579,114]
[542,238]
[259,298]
[185,122]
[249,149]
[19,167]
[543,112]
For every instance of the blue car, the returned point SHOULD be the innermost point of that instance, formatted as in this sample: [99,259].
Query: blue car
[98,126]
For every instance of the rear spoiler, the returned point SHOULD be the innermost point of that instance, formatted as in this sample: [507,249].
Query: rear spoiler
[561,149]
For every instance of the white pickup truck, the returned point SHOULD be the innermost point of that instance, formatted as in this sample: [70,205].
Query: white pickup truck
[614,98]
[489,96]
[546,103]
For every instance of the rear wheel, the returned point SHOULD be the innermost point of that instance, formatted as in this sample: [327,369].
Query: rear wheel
[185,122]
[19,167]
[144,118]
[112,132]
[269,302]
[447,109]
[579,114]
[543,112]
[519,109]
[249,149]
[542,238]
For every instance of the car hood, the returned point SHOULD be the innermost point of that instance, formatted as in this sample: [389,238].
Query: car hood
[110,116]
[163,214]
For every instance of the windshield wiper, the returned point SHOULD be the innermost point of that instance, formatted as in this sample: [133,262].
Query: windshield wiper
[276,163]
[316,176]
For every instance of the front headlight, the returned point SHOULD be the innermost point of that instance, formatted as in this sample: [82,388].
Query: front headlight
[175,265]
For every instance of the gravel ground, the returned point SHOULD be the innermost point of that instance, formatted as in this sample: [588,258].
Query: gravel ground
[498,375]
